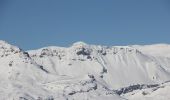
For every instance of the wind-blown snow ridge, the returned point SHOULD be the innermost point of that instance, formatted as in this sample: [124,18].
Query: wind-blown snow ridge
[79,72]
[155,50]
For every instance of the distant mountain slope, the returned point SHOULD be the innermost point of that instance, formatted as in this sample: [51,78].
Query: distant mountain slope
[161,50]
[79,72]
[118,65]
[23,79]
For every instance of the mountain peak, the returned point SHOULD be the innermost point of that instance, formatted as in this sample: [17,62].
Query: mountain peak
[3,42]
[79,43]
[7,49]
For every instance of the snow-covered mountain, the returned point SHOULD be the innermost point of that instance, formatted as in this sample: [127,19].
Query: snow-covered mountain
[162,50]
[83,72]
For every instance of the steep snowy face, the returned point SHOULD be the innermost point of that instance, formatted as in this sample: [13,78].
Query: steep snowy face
[22,78]
[19,74]
[159,50]
[14,62]
[81,71]
[118,65]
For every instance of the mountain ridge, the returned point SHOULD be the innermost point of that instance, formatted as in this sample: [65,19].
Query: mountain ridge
[66,73]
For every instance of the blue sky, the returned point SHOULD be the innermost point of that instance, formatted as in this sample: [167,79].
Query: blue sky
[32,24]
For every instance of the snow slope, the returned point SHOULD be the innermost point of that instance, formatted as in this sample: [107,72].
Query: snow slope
[118,66]
[79,72]
[24,79]
[161,50]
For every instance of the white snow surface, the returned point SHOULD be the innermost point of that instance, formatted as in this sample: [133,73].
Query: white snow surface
[162,50]
[83,72]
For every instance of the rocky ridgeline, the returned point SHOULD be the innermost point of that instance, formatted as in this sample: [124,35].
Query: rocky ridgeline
[82,51]
[7,49]
[135,87]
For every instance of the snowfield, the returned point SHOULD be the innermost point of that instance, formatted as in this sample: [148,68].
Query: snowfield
[85,72]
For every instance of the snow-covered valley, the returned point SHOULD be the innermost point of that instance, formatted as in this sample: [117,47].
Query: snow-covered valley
[85,72]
